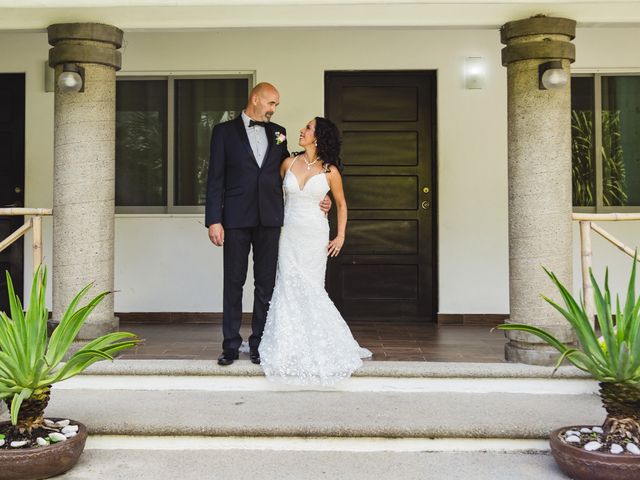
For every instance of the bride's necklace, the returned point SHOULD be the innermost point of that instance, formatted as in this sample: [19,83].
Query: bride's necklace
[308,163]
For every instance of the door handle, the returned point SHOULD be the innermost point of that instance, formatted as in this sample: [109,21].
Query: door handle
[425,205]
[425,189]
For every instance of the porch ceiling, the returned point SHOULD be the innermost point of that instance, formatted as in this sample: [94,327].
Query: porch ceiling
[215,14]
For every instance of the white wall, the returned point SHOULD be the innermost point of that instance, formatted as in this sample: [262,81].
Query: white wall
[471,188]
[165,263]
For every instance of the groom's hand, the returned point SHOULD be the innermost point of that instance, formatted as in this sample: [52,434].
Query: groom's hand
[216,234]
[325,204]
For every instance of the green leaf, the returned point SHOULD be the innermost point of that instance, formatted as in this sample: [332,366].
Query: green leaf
[98,349]
[605,320]
[16,403]
[69,327]
[577,317]
[539,332]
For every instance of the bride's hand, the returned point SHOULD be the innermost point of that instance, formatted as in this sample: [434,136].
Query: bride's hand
[335,246]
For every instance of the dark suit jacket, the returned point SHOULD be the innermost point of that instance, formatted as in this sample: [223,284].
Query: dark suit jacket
[239,193]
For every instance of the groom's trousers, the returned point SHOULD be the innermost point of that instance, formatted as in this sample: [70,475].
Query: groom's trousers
[237,244]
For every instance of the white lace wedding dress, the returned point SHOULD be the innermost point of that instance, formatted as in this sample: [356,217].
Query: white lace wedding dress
[305,340]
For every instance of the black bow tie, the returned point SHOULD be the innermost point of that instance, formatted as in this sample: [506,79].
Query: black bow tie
[253,123]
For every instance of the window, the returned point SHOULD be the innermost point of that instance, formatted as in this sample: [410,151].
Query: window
[163,129]
[605,131]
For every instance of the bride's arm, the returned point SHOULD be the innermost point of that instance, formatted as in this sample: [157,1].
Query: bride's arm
[335,184]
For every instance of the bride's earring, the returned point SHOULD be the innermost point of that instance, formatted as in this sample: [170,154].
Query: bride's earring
[315,143]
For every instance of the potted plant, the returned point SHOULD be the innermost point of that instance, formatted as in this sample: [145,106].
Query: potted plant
[32,447]
[612,451]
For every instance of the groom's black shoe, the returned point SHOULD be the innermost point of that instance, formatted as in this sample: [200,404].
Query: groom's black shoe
[227,357]
[254,356]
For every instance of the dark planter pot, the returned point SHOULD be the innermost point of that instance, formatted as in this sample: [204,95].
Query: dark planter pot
[42,462]
[579,464]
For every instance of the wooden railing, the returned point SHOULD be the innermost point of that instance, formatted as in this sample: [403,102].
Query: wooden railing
[586,225]
[33,220]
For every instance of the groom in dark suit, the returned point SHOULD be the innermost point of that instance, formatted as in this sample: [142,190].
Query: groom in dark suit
[244,210]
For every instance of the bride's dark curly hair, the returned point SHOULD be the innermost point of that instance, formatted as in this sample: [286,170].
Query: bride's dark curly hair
[328,142]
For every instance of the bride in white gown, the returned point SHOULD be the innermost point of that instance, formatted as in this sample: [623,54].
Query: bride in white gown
[305,340]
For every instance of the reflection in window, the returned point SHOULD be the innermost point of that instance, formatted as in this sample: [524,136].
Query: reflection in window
[200,105]
[619,135]
[143,159]
[141,129]
[621,140]
[583,142]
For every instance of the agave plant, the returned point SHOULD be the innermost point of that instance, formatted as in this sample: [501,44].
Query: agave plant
[613,358]
[30,361]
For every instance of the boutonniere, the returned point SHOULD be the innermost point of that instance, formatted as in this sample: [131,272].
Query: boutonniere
[280,138]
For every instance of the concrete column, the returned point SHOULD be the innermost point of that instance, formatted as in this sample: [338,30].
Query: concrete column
[539,135]
[84,170]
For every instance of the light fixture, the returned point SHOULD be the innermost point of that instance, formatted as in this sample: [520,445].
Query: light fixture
[71,79]
[551,75]
[474,72]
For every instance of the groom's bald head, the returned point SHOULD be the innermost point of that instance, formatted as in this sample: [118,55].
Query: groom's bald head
[263,101]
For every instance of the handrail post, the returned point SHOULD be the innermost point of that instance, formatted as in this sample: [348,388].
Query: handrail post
[585,249]
[37,242]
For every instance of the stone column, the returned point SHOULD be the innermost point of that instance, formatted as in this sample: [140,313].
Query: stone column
[539,170]
[84,170]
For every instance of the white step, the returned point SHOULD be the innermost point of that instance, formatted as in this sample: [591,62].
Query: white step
[385,400]
[157,419]
[294,465]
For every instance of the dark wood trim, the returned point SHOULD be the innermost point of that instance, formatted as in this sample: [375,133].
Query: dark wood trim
[469,319]
[475,319]
[174,317]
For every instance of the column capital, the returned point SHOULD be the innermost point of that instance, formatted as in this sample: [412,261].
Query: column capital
[85,43]
[538,25]
[557,46]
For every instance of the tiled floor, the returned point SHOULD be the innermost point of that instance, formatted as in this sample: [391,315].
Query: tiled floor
[388,341]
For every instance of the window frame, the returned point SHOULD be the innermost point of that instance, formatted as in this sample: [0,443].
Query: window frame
[597,75]
[171,77]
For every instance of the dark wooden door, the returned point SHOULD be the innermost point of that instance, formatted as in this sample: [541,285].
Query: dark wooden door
[11,177]
[387,119]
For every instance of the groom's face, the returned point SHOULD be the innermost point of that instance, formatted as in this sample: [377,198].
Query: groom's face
[265,104]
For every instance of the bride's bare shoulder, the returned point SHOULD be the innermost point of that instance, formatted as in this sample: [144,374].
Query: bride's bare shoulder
[286,163]
[332,170]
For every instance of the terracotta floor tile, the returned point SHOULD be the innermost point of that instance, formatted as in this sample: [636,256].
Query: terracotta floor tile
[406,341]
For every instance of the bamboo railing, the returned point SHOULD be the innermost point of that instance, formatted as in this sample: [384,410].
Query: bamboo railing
[33,220]
[587,224]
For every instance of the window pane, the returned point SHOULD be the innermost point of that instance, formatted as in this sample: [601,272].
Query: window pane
[200,105]
[583,142]
[141,132]
[621,140]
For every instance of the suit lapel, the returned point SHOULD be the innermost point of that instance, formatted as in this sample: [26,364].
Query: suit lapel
[242,134]
[270,131]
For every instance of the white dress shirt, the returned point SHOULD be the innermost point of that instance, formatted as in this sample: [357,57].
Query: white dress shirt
[257,139]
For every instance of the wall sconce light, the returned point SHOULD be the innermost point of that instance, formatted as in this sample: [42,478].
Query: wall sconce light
[71,79]
[474,72]
[551,75]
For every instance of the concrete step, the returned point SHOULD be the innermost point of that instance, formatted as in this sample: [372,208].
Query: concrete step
[99,464]
[325,414]
[156,419]
[385,400]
